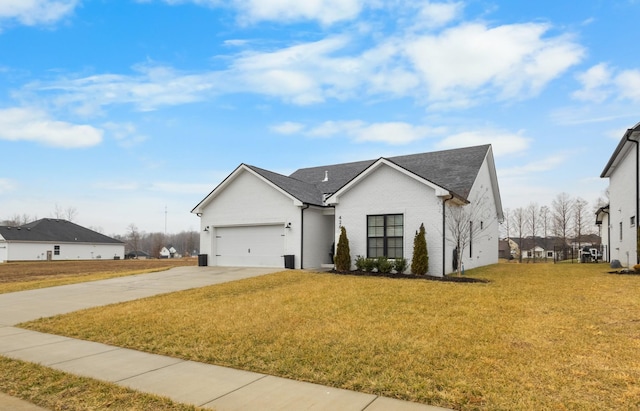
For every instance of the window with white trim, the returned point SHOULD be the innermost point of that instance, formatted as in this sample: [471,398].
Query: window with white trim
[56,250]
[385,236]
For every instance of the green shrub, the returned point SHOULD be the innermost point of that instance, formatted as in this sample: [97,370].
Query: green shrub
[420,260]
[369,264]
[384,265]
[400,265]
[360,263]
[342,259]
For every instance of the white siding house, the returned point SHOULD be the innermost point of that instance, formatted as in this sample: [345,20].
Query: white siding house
[621,217]
[256,217]
[54,239]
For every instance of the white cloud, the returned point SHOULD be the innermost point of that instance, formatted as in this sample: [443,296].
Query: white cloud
[33,12]
[503,143]
[546,164]
[457,67]
[511,61]
[394,133]
[287,128]
[325,11]
[391,133]
[125,134]
[595,84]
[628,84]
[6,185]
[29,124]
[434,15]
[602,82]
[150,88]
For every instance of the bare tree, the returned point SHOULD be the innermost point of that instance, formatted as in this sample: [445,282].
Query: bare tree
[561,211]
[70,213]
[545,216]
[519,225]
[133,236]
[18,220]
[532,213]
[58,212]
[465,223]
[579,219]
[506,225]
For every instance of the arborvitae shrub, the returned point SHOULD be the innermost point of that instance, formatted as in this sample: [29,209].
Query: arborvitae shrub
[420,260]
[343,256]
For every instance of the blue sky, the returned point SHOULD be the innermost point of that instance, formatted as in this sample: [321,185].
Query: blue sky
[122,108]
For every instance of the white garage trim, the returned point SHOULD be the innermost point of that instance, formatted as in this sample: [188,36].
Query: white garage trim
[250,246]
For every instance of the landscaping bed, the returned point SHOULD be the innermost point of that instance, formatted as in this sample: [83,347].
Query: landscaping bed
[454,279]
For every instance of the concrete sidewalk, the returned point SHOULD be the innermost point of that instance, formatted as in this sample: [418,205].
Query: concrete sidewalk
[189,382]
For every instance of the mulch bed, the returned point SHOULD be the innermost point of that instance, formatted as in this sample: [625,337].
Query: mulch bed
[453,279]
[625,271]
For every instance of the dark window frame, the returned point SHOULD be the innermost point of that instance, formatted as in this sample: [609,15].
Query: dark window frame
[56,250]
[389,242]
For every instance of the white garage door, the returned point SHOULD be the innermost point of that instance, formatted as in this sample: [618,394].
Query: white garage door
[250,246]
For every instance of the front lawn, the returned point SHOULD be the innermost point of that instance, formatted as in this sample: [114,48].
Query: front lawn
[538,336]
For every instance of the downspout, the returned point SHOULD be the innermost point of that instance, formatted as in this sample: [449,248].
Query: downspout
[608,235]
[444,234]
[302,234]
[628,137]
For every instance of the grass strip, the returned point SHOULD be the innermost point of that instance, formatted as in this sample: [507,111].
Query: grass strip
[537,336]
[57,390]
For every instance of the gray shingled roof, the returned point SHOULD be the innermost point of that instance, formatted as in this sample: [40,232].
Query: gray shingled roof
[54,230]
[454,170]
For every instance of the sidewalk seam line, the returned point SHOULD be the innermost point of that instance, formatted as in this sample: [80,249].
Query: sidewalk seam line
[370,403]
[234,390]
[153,370]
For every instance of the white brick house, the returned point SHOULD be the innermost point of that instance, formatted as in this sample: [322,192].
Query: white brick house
[619,221]
[55,239]
[255,217]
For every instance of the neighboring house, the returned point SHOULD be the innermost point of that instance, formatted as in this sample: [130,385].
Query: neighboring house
[539,248]
[137,255]
[256,217]
[504,250]
[54,239]
[168,252]
[621,217]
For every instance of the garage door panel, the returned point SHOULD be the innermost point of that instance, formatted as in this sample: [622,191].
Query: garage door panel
[253,246]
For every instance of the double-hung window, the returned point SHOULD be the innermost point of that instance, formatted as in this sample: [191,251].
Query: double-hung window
[385,235]
[56,250]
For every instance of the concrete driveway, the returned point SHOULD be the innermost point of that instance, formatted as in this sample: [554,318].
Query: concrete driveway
[45,302]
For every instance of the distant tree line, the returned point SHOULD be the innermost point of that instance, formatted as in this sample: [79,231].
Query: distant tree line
[186,243]
[566,218]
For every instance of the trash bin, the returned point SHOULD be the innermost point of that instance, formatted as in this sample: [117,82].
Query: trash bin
[289,261]
[202,260]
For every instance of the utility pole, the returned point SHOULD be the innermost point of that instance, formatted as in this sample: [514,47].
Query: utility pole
[165,220]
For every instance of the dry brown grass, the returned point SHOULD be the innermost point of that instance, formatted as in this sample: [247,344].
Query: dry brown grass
[20,276]
[539,336]
[56,390]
